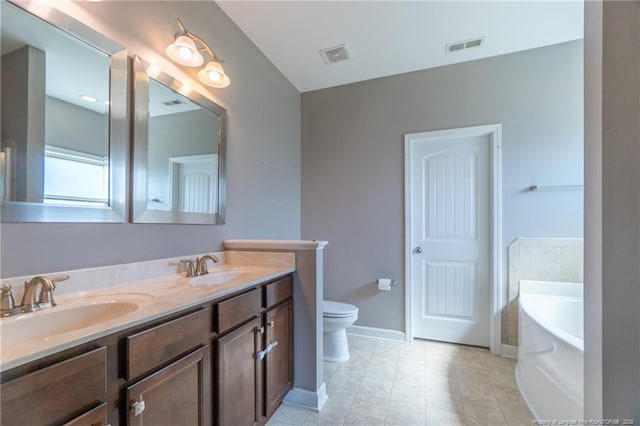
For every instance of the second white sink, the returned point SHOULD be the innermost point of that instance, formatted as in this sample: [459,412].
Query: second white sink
[216,278]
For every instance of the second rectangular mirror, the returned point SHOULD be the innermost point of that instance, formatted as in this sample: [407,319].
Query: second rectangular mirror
[179,151]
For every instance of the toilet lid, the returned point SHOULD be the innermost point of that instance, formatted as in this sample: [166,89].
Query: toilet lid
[338,309]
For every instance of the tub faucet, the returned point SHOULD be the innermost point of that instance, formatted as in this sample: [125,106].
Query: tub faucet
[201,264]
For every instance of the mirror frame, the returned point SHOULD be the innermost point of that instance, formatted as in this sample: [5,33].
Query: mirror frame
[142,71]
[116,212]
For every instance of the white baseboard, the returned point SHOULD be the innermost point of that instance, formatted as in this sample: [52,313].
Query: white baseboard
[509,351]
[376,333]
[304,398]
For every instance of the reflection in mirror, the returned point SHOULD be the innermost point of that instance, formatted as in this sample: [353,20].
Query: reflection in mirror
[63,141]
[178,152]
[182,171]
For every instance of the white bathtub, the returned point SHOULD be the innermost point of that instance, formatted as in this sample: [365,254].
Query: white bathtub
[550,352]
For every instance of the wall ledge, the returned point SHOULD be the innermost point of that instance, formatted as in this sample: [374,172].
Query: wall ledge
[311,245]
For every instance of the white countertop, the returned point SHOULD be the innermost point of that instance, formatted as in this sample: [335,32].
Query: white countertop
[154,298]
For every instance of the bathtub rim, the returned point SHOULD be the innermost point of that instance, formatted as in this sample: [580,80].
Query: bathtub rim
[532,293]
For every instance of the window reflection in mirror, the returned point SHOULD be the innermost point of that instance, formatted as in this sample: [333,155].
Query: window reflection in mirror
[57,121]
[182,154]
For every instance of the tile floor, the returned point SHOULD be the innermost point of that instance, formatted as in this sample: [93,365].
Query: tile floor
[424,383]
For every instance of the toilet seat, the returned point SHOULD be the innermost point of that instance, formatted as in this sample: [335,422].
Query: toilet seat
[332,309]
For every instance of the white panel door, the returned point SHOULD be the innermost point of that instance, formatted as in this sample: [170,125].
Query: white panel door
[194,183]
[449,191]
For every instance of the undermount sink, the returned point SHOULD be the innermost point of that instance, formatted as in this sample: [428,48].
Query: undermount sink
[216,278]
[45,324]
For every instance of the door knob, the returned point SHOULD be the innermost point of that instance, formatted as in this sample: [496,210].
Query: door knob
[417,250]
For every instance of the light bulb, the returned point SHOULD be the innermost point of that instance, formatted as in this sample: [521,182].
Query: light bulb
[214,75]
[184,53]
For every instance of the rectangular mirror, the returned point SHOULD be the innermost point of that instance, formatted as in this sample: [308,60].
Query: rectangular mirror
[63,152]
[179,151]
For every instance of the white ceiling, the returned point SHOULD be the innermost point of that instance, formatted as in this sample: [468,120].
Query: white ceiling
[73,68]
[393,37]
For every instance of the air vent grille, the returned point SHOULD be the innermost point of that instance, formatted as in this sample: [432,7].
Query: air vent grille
[336,54]
[463,45]
[173,102]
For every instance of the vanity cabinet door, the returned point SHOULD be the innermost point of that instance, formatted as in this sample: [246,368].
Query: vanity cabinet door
[178,394]
[238,364]
[279,356]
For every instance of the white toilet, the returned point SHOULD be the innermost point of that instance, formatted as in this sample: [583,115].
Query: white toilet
[336,317]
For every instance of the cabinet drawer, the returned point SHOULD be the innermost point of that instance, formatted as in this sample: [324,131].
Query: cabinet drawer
[94,417]
[237,310]
[48,395]
[279,291]
[155,346]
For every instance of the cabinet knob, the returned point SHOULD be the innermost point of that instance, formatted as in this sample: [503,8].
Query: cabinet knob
[137,408]
[271,324]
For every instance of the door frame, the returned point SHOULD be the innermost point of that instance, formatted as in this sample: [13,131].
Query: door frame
[494,132]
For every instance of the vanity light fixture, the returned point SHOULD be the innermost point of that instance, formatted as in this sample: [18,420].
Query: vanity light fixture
[186,50]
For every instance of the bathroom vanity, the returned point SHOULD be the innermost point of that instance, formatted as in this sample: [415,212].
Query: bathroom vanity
[226,360]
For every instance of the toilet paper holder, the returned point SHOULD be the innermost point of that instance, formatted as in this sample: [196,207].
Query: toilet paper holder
[386,284]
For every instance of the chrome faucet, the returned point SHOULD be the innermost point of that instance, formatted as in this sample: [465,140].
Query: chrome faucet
[201,264]
[47,285]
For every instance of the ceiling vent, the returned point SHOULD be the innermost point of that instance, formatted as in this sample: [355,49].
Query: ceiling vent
[336,54]
[463,45]
[173,103]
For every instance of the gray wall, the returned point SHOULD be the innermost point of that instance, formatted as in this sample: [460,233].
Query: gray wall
[352,161]
[612,207]
[72,127]
[263,149]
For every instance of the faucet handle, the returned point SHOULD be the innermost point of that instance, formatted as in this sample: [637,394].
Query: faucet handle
[191,266]
[58,278]
[45,300]
[7,302]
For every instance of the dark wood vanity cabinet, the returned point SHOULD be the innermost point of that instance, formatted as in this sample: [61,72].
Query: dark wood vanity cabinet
[238,372]
[254,359]
[223,363]
[180,391]
[278,371]
[178,394]
[66,392]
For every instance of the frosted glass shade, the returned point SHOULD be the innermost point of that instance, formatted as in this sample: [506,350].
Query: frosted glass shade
[184,51]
